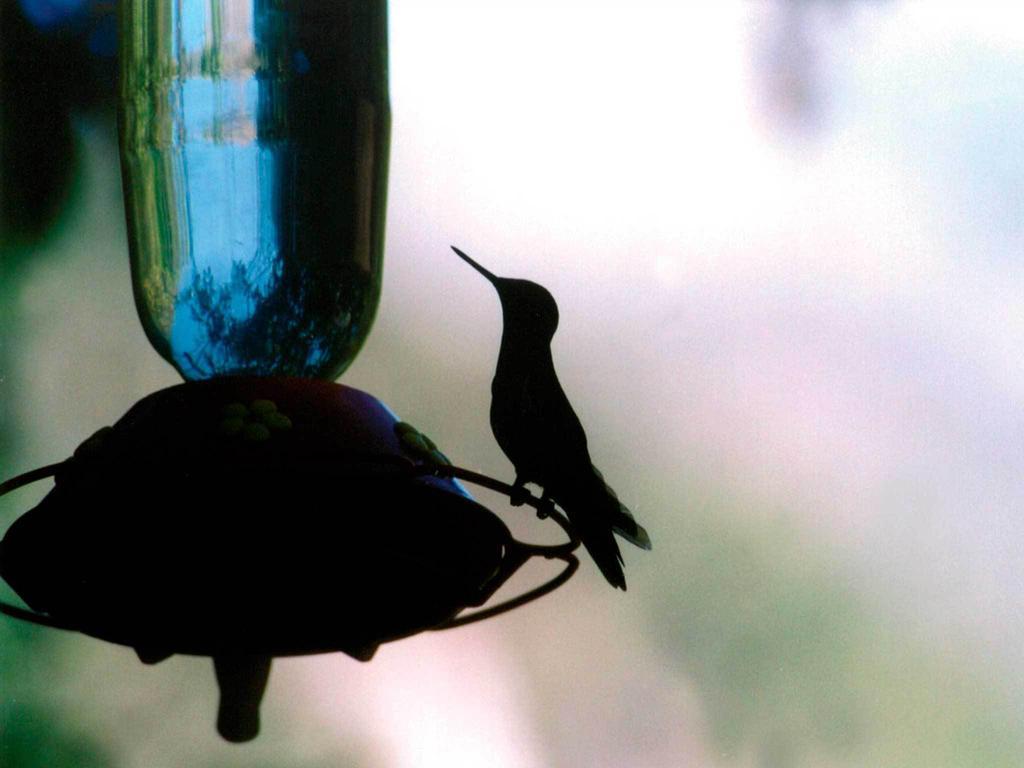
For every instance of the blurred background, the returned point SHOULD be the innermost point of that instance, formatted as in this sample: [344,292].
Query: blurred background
[784,237]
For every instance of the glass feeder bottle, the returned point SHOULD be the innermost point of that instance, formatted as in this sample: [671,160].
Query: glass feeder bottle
[254,150]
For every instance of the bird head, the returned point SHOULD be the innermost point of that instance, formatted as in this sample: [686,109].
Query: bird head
[527,307]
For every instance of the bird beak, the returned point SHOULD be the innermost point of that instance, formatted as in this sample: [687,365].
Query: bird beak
[489,275]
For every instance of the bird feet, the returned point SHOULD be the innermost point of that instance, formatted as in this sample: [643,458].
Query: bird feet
[546,507]
[519,496]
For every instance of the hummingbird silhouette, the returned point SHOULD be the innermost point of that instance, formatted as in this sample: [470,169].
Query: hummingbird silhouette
[539,432]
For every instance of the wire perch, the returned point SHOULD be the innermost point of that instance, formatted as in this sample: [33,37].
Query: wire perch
[545,510]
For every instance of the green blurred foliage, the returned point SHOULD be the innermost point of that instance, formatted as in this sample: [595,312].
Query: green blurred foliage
[34,733]
[32,736]
[45,79]
[795,666]
[36,187]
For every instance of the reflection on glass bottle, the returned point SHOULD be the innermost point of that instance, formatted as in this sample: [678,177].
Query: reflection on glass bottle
[254,151]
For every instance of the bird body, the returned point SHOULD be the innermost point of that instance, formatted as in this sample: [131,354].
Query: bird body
[531,417]
[536,427]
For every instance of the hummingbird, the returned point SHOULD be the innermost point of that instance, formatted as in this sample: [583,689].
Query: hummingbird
[538,430]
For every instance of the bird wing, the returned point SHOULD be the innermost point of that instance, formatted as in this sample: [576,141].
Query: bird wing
[567,446]
[623,522]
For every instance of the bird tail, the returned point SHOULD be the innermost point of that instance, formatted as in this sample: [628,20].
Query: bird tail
[596,515]
[623,522]
[602,548]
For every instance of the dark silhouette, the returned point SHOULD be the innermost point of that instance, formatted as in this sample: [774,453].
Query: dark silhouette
[242,681]
[538,430]
[247,518]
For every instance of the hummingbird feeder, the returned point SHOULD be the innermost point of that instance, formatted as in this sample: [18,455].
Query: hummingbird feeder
[259,509]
